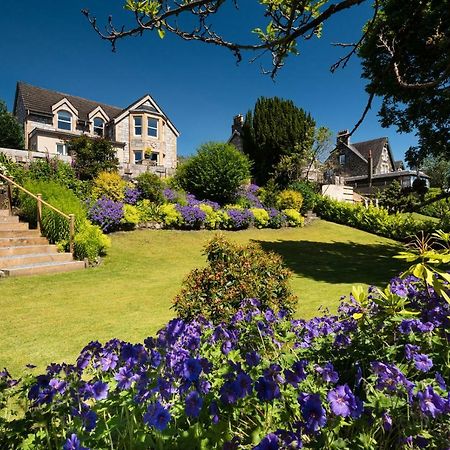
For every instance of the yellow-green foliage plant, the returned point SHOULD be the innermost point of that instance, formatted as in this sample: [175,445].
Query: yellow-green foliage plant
[289,199]
[170,215]
[261,219]
[131,216]
[294,218]
[213,218]
[110,185]
[90,242]
[148,211]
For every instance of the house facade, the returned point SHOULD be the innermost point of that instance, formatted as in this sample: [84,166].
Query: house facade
[143,136]
[367,166]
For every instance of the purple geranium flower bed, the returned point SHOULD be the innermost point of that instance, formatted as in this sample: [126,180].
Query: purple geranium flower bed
[376,372]
[239,218]
[132,195]
[193,216]
[106,213]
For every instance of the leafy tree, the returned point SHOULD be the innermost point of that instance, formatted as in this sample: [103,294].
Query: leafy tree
[406,59]
[438,169]
[92,156]
[215,172]
[11,132]
[276,131]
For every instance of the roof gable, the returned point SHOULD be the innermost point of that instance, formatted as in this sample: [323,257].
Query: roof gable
[375,146]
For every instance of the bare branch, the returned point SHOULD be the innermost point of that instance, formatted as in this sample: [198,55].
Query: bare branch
[364,114]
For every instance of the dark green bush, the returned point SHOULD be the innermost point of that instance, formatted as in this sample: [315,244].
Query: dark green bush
[234,273]
[309,192]
[151,187]
[54,227]
[437,209]
[215,172]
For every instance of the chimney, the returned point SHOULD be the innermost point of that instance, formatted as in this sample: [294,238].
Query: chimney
[343,136]
[238,121]
[370,168]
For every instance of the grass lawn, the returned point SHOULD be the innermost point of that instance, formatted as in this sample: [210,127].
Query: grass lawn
[51,317]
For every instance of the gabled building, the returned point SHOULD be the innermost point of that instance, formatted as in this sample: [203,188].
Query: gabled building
[367,166]
[142,134]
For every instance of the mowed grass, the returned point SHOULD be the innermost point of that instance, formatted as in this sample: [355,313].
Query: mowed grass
[50,318]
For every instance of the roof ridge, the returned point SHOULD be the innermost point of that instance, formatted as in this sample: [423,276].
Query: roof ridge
[370,140]
[69,95]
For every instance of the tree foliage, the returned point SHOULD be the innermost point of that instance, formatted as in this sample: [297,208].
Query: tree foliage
[92,156]
[11,132]
[276,131]
[215,172]
[406,59]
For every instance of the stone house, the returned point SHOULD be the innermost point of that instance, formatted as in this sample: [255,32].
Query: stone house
[143,136]
[367,166]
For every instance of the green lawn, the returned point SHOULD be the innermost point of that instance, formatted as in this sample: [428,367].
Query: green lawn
[50,318]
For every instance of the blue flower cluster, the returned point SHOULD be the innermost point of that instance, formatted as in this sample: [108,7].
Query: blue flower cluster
[370,370]
[106,213]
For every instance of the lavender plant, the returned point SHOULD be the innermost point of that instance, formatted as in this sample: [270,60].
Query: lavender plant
[106,213]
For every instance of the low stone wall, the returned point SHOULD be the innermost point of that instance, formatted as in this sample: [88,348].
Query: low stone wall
[26,156]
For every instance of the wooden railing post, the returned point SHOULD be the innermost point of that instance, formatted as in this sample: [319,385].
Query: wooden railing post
[71,232]
[10,199]
[39,212]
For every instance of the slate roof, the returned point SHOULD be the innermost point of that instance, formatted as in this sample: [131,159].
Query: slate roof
[41,100]
[375,146]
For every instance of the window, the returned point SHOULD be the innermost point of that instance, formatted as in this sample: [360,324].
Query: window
[138,126]
[342,159]
[137,156]
[99,126]
[152,129]
[61,149]
[64,120]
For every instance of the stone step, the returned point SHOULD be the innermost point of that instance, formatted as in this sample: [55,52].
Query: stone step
[4,212]
[13,226]
[18,241]
[43,268]
[27,249]
[35,258]
[9,219]
[19,233]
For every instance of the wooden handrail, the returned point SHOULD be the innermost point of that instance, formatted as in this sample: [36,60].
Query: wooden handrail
[38,198]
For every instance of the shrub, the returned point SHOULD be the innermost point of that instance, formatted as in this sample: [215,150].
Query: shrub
[90,242]
[293,218]
[268,194]
[192,217]
[309,194]
[148,211]
[151,187]
[174,196]
[109,185]
[260,217]
[289,199]
[247,196]
[234,273]
[106,213]
[277,219]
[213,218]
[131,195]
[54,227]
[170,215]
[237,218]
[437,209]
[215,172]
[131,216]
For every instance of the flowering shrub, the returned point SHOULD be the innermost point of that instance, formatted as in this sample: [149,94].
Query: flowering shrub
[260,217]
[106,213]
[290,199]
[148,211]
[131,195]
[238,219]
[151,187]
[192,216]
[247,196]
[109,185]
[374,376]
[293,218]
[277,219]
[234,272]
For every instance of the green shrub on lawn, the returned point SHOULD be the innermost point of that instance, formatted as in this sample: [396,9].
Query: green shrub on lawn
[261,217]
[289,199]
[294,218]
[234,273]
[54,227]
[90,242]
[309,193]
[151,187]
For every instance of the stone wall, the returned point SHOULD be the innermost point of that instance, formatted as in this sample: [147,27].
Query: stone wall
[353,166]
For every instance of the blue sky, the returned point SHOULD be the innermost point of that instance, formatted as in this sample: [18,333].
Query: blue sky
[199,87]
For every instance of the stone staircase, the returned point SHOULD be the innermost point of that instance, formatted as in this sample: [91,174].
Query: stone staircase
[25,252]
[310,217]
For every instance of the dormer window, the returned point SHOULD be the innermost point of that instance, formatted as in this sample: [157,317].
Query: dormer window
[99,126]
[64,120]
[138,126]
[152,129]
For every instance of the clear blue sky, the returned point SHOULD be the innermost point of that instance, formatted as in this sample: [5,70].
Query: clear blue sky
[200,87]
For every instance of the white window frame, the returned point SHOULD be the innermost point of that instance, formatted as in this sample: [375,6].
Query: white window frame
[64,149]
[152,128]
[67,120]
[139,126]
[342,159]
[94,127]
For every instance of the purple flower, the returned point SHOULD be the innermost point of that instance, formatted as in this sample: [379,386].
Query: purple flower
[99,390]
[431,404]
[410,351]
[193,216]
[398,287]
[245,384]
[125,378]
[252,358]
[106,213]
[230,392]
[58,385]
[270,442]
[441,382]
[387,421]
[328,373]
[214,412]
[192,369]
[422,362]
[73,443]
[239,219]
[314,414]
[343,403]
[157,416]
[193,404]
[267,389]
[132,195]
[170,195]
[108,361]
